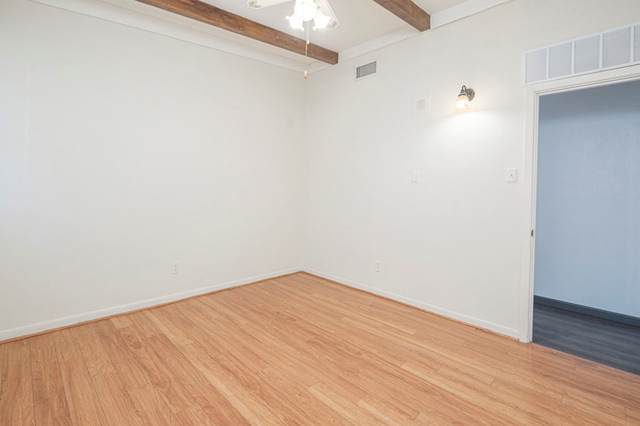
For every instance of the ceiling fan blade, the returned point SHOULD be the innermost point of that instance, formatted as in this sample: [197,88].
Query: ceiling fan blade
[325,7]
[259,4]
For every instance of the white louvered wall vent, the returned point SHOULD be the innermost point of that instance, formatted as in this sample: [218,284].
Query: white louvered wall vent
[610,49]
[366,70]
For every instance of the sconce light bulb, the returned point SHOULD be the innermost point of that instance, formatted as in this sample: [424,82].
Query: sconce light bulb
[465,96]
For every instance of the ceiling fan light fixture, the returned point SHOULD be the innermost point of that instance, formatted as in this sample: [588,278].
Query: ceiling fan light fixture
[295,22]
[321,20]
[305,10]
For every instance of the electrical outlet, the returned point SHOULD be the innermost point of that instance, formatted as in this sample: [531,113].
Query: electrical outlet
[175,267]
[378,265]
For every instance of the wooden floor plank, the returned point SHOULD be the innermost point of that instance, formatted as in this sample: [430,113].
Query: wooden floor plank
[131,373]
[195,416]
[84,406]
[2,351]
[117,405]
[16,393]
[633,414]
[95,358]
[353,414]
[122,321]
[146,355]
[49,396]
[297,394]
[151,405]
[194,392]
[171,383]
[301,350]
[242,399]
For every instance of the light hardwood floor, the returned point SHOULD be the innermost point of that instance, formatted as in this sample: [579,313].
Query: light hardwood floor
[300,350]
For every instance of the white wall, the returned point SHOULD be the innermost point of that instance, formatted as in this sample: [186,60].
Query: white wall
[588,198]
[452,242]
[122,151]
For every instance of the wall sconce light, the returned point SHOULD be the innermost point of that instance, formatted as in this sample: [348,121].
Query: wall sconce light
[465,96]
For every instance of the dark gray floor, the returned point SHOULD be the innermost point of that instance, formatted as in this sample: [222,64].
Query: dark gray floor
[600,340]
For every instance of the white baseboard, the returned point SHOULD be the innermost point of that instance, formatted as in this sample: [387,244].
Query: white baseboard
[427,307]
[43,326]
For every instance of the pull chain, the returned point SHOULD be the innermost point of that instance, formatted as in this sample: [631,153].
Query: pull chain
[306,52]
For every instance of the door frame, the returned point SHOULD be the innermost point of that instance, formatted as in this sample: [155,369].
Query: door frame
[532,109]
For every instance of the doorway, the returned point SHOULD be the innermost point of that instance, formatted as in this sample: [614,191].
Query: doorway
[587,248]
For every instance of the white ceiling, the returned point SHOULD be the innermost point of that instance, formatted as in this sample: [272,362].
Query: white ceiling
[364,25]
[360,20]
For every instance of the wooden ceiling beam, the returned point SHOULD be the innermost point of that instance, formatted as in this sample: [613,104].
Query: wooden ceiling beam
[409,12]
[220,18]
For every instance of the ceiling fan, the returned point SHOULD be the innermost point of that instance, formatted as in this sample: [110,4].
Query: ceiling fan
[318,11]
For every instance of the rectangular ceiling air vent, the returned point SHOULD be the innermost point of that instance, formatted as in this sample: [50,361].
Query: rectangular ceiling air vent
[366,70]
[616,47]
[606,50]
[560,60]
